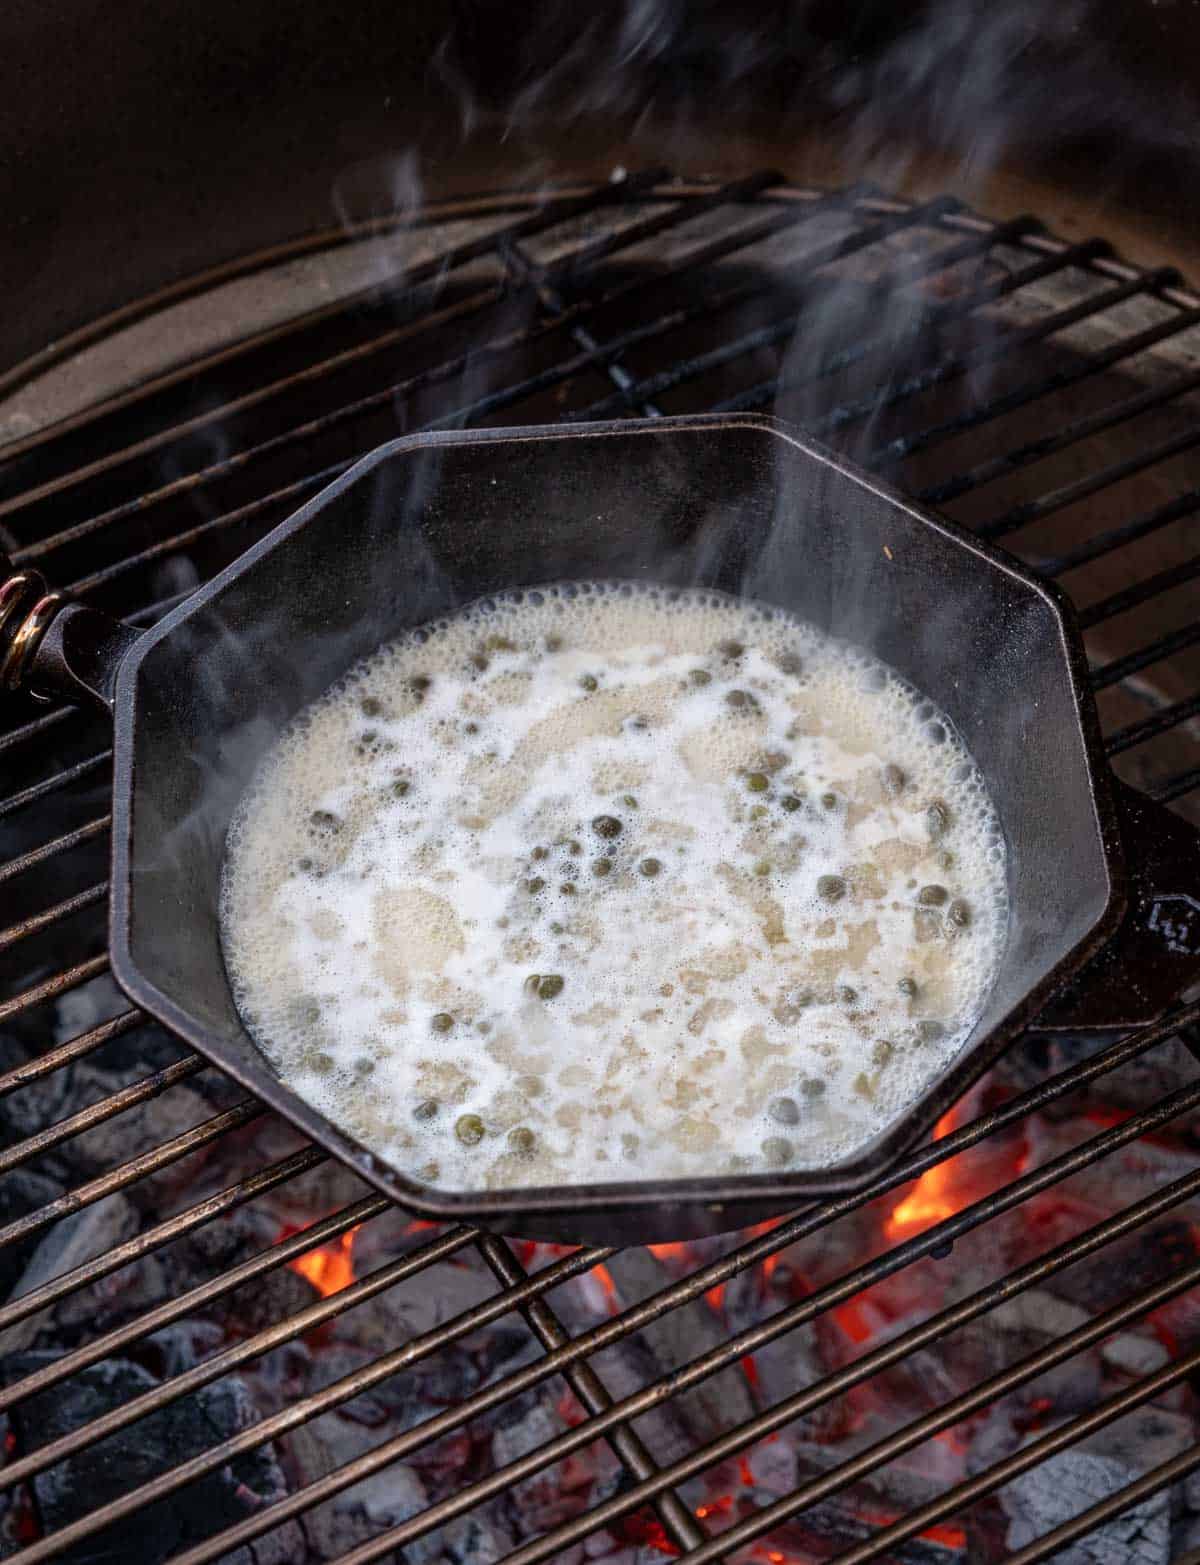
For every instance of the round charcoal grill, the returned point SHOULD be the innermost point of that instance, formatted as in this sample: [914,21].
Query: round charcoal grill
[185,1281]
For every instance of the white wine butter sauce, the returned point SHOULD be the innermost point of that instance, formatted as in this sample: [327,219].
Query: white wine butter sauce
[602,882]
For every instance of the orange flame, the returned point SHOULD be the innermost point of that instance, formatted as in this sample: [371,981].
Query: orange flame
[331,1267]
[931,1199]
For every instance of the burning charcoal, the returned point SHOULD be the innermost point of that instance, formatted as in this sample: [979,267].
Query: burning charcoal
[388,1498]
[475,1540]
[531,1423]
[99,1473]
[79,1237]
[682,1334]
[1060,1487]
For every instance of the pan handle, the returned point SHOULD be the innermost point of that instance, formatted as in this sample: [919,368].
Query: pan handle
[1154,954]
[50,646]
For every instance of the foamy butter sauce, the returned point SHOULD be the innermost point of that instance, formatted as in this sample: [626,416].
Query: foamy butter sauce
[601,882]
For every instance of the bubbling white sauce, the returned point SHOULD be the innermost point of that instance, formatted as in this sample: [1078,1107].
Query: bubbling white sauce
[603,882]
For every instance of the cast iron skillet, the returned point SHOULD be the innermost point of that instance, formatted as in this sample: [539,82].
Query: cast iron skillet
[739,503]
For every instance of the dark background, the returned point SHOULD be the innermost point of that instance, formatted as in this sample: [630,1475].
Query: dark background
[141,142]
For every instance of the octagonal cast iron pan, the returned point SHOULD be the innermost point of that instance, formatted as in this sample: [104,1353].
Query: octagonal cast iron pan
[428,523]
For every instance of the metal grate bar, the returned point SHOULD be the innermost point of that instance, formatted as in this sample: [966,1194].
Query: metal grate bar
[765,392]
[97,1113]
[1141,592]
[172,1228]
[286,1330]
[704,1278]
[1163,647]
[1159,722]
[48,850]
[775,1417]
[511,341]
[1112,538]
[1057,499]
[1060,380]
[1070,434]
[74,1049]
[1142,1488]
[171,1310]
[892,393]
[35,924]
[34,729]
[595,1398]
[298,1412]
[914,1434]
[1175,787]
[1031,1455]
[450,260]
[18,801]
[129,1173]
[51,988]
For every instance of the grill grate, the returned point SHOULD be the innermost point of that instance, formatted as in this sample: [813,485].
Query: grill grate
[1039,391]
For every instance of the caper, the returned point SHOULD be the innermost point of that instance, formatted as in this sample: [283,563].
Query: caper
[700,676]
[442,1021]
[812,1087]
[470,728]
[759,812]
[778,1151]
[324,820]
[428,1172]
[419,684]
[400,787]
[958,913]
[945,860]
[567,889]
[829,800]
[882,1051]
[480,660]
[469,1129]
[831,888]
[500,644]
[628,798]
[740,700]
[784,1111]
[530,985]
[606,826]
[932,896]
[846,995]
[320,1064]
[535,885]
[893,780]
[370,707]
[758,782]
[789,663]
[864,1086]
[907,986]
[774,761]
[588,682]
[539,853]
[790,803]
[427,1109]
[650,867]
[930,1030]
[549,986]
[521,1140]
[730,649]
[602,867]
[531,1086]
[937,818]
[554,643]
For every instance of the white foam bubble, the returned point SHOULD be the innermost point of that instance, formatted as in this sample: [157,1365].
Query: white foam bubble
[740,845]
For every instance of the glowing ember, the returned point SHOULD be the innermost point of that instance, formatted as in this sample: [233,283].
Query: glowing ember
[330,1268]
[717,1507]
[931,1200]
